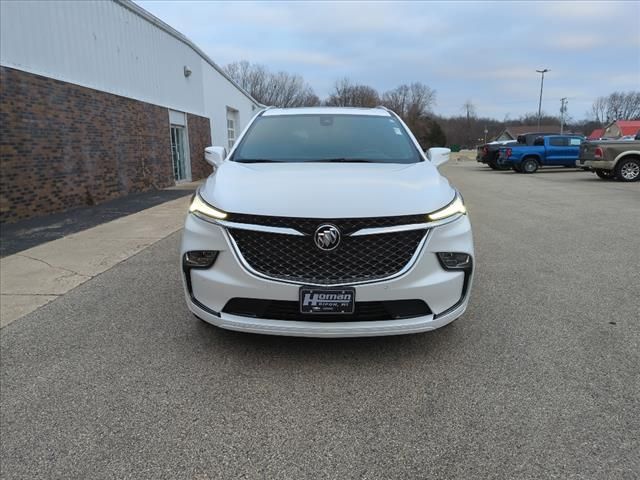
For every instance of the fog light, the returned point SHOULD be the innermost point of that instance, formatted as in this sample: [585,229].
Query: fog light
[199,258]
[454,260]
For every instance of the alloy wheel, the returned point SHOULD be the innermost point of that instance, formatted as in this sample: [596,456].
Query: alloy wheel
[630,171]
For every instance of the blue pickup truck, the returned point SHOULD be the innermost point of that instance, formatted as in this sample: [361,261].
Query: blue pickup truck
[550,150]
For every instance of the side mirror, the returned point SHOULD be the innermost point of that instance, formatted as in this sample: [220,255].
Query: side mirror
[438,155]
[215,155]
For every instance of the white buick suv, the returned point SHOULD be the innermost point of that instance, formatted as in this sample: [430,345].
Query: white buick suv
[327,222]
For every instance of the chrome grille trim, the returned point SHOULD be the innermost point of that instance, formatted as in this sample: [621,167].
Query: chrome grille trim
[363,231]
[259,228]
[410,264]
[406,228]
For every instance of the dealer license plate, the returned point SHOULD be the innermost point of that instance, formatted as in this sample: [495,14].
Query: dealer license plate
[327,300]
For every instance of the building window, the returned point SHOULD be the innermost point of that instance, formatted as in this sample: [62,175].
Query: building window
[231,131]
[232,125]
[178,154]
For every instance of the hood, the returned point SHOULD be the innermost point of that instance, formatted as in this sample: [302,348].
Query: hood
[327,190]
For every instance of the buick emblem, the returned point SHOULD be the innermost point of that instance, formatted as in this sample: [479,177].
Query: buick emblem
[327,237]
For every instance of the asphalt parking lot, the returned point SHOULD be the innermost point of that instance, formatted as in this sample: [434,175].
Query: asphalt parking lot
[539,379]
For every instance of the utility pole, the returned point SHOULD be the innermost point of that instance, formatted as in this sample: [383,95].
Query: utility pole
[563,110]
[541,86]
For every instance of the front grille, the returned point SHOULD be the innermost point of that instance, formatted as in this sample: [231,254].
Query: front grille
[363,311]
[357,259]
[309,225]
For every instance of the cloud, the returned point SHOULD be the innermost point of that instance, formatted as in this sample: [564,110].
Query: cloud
[230,53]
[577,41]
[581,9]
[485,51]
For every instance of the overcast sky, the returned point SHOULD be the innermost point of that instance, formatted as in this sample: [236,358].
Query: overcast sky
[486,52]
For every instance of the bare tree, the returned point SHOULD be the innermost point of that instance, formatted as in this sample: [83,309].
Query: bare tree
[623,106]
[470,109]
[411,102]
[340,94]
[531,118]
[346,94]
[616,106]
[599,110]
[280,89]
[458,133]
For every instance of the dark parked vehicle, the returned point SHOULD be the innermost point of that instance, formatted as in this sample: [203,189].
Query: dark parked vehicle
[551,150]
[617,159]
[489,152]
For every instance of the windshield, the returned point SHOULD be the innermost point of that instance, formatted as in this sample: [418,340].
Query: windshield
[327,138]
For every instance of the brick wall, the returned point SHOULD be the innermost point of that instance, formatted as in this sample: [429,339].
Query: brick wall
[199,138]
[63,145]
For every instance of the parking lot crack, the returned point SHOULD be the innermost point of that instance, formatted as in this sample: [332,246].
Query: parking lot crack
[54,266]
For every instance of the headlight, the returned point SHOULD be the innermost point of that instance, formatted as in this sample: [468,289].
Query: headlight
[199,206]
[454,208]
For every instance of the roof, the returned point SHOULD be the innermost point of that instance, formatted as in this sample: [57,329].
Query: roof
[374,112]
[179,36]
[596,134]
[628,127]
[522,129]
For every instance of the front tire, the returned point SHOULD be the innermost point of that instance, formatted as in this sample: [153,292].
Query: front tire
[628,170]
[529,165]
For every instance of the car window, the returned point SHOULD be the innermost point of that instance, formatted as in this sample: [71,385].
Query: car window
[574,141]
[324,137]
[558,141]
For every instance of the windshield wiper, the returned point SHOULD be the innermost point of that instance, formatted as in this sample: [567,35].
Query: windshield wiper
[254,160]
[342,160]
[321,160]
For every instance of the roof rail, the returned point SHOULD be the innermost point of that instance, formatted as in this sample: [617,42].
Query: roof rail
[261,112]
[389,111]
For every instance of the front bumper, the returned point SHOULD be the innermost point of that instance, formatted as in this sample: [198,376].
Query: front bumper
[445,292]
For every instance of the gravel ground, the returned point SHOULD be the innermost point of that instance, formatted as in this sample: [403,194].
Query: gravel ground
[539,379]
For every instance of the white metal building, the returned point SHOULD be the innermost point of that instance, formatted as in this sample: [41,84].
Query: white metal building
[119,48]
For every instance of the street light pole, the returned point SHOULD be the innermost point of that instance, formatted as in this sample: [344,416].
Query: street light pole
[541,86]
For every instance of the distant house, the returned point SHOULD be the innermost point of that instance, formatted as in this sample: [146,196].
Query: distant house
[511,133]
[596,134]
[621,128]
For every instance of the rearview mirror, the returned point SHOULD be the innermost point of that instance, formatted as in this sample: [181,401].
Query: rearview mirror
[438,155]
[215,155]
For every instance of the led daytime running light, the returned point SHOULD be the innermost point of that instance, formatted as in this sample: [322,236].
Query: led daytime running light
[454,208]
[198,205]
